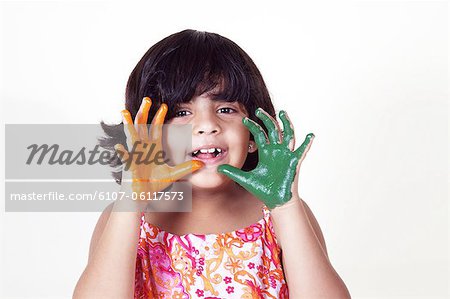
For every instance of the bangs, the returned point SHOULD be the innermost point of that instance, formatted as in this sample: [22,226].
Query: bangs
[196,64]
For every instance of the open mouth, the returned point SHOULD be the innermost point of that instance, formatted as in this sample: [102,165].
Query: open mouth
[208,155]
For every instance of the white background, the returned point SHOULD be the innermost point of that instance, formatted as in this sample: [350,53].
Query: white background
[369,79]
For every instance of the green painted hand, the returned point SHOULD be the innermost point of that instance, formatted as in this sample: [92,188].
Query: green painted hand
[276,175]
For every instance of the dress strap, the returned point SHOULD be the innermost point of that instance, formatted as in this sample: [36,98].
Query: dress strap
[266,212]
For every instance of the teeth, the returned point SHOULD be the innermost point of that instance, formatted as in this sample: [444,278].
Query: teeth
[210,150]
[205,151]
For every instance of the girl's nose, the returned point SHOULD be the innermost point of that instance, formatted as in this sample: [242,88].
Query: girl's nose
[206,125]
[206,131]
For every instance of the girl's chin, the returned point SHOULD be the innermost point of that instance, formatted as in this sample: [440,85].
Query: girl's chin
[208,179]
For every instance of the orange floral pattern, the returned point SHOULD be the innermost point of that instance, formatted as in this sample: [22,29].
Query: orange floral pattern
[245,263]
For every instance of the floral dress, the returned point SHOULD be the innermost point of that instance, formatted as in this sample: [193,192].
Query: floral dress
[245,263]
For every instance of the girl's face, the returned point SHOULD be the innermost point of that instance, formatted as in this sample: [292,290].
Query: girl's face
[218,137]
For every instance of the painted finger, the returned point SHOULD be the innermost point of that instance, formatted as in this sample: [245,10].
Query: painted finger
[129,129]
[288,130]
[241,177]
[271,124]
[257,131]
[304,148]
[142,118]
[142,115]
[158,122]
[183,169]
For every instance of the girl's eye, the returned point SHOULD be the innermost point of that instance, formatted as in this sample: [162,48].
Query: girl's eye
[227,110]
[181,113]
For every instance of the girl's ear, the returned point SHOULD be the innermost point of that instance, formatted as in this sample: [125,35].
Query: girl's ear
[252,146]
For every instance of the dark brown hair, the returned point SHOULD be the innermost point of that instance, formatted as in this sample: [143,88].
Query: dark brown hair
[187,64]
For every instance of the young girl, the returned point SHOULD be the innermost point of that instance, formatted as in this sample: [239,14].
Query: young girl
[249,234]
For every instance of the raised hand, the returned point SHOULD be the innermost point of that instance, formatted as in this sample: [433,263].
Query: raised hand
[275,179]
[144,167]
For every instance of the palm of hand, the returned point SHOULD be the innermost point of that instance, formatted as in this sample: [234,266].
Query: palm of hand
[146,173]
[272,178]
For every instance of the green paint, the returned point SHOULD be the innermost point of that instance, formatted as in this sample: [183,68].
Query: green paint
[272,178]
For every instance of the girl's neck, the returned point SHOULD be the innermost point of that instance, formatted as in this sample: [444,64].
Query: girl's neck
[207,202]
[219,210]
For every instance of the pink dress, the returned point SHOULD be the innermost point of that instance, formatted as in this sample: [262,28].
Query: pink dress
[245,263]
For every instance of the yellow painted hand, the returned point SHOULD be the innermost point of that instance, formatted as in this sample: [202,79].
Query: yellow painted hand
[144,164]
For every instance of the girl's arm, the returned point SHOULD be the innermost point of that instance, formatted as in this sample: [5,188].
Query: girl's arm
[110,271]
[274,181]
[309,273]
